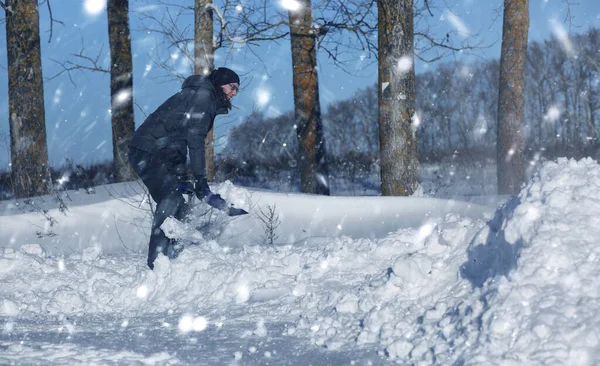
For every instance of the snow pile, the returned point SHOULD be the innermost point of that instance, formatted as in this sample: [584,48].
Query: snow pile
[547,310]
[210,276]
[525,289]
[380,306]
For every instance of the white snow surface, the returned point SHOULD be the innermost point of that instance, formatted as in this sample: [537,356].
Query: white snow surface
[348,280]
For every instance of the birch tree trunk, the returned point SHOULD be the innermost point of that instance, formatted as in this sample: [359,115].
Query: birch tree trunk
[29,150]
[397,122]
[314,172]
[511,98]
[204,63]
[121,86]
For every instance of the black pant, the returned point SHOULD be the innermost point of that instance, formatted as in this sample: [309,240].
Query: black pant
[161,179]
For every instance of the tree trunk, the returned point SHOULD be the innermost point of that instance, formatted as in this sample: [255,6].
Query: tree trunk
[314,174]
[568,120]
[541,111]
[397,129]
[204,63]
[29,150]
[511,98]
[121,86]
[591,111]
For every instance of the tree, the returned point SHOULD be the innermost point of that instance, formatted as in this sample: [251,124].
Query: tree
[204,55]
[121,86]
[28,146]
[510,148]
[593,94]
[314,175]
[397,119]
[537,84]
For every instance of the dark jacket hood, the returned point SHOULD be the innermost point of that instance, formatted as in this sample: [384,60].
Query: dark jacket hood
[200,81]
[197,81]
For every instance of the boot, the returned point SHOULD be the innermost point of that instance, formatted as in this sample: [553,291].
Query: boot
[159,243]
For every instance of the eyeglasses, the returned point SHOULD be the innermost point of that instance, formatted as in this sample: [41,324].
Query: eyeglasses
[234,87]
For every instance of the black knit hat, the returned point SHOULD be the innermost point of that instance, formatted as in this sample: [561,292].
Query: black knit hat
[224,76]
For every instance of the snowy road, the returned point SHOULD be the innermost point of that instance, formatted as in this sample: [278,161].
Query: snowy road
[102,339]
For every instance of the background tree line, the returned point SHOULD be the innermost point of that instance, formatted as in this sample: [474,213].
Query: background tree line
[562,102]
[457,105]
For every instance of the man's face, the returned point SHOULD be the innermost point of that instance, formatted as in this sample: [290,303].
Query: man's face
[230,90]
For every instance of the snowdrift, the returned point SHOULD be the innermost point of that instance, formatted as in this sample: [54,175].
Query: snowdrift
[525,290]
[528,291]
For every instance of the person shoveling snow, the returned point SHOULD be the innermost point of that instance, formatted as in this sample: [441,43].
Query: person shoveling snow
[159,148]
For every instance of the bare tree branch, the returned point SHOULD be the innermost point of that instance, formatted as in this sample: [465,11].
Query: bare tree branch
[569,15]
[427,6]
[52,20]
[68,66]
[235,26]
[343,29]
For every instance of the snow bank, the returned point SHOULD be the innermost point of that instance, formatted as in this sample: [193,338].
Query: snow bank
[117,218]
[524,290]
[114,217]
[547,309]
[210,275]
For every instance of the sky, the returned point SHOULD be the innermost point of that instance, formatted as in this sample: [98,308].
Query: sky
[348,280]
[78,116]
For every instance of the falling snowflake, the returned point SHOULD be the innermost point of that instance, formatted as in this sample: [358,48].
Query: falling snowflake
[458,24]
[553,114]
[291,5]
[405,64]
[263,96]
[94,7]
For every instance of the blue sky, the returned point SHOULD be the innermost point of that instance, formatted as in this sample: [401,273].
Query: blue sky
[77,116]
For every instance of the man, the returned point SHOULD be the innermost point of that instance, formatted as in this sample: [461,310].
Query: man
[158,149]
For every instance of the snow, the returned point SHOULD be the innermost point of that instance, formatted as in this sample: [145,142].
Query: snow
[458,24]
[291,5]
[94,7]
[348,280]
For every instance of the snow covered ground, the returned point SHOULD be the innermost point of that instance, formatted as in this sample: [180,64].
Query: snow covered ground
[341,280]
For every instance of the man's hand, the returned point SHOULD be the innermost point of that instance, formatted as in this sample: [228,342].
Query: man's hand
[203,192]
[186,186]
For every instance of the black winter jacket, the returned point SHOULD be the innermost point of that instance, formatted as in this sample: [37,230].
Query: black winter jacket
[180,124]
